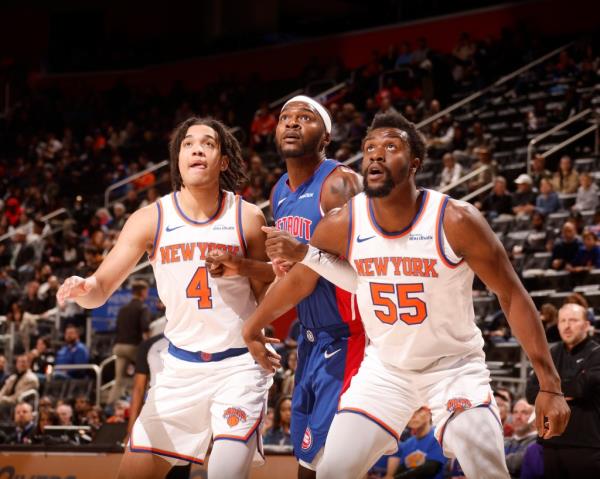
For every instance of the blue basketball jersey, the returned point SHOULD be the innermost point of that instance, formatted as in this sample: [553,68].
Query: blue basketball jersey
[299,212]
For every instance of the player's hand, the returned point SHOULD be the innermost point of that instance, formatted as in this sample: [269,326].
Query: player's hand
[74,287]
[551,415]
[257,345]
[220,264]
[281,245]
[281,266]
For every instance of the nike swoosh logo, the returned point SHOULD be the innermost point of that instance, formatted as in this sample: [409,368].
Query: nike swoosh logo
[328,355]
[173,228]
[360,240]
[281,201]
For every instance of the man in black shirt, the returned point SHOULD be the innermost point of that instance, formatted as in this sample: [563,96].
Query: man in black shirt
[576,453]
[566,248]
[132,327]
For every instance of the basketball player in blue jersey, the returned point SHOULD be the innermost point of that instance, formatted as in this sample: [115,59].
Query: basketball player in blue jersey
[210,388]
[331,343]
[411,258]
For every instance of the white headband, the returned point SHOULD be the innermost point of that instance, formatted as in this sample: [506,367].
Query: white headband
[316,105]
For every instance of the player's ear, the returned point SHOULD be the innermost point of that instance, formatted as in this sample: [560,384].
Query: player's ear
[224,162]
[415,165]
[325,140]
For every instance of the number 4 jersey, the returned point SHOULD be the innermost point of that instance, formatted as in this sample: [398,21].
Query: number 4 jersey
[414,293]
[203,313]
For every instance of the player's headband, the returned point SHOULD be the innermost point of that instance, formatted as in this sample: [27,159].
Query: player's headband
[316,105]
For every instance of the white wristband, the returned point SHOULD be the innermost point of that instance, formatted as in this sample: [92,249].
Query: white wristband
[332,268]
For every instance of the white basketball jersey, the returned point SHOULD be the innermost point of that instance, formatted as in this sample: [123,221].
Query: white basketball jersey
[203,313]
[414,294]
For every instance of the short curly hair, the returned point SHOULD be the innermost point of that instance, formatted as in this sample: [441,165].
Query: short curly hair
[233,177]
[416,142]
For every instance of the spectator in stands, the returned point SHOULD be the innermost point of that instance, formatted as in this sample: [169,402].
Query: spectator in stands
[539,171]
[133,321]
[287,385]
[279,434]
[46,417]
[81,409]
[3,370]
[421,455]
[24,425]
[452,170]
[540,237]
[587,193]
[74,352]
[547,201]
[576,453]
[566,179]
[499,201]
[503,402]
[566,248]
[65,414]
[549,318]
[22,380]
[120,412]
[524,197]
[524,434]
[95,417]
[42,356]
[588,255]
[262,128]
[484,158]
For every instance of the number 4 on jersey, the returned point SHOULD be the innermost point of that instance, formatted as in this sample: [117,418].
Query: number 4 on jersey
[198,288]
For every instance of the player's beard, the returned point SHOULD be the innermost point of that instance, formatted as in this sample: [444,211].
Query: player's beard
[381,190]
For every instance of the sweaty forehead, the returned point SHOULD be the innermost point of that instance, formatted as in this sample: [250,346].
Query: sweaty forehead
[386,133]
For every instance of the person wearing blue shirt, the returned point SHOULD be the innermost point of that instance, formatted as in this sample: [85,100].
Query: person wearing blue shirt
[588,255]
[420,456]
[74,352]
[547,201]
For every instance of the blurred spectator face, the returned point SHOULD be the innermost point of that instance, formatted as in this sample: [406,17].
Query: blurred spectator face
[2,363]
[483,154]
[448,160]
[255,164]
[40,346]
[22,364]
[285,412]
[477,129]
[65,414]
[45,419]
[585,180]
[520,417]
[545,187]
[539,163]
[292,360]
[589,240]
[420,419]
[572,324]
[386,103]
[565,164]
[82,405]
[23,414]
[569,232]
[32,288]
[503,407]
[93,418]
[120,410]
[500,186]
[45,403]
[434,106]
[71,335]
[548,313]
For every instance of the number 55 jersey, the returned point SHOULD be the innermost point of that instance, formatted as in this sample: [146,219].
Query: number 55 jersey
[414,293]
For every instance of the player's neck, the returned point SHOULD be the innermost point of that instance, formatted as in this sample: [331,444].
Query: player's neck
[301,169]
[422,432]
[397,210]
[200,204]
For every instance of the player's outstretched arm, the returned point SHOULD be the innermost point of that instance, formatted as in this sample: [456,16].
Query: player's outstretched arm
[471,237]
[136,238]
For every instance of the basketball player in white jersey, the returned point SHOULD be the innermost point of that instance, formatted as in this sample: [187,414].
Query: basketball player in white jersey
[412,255]
[210,387]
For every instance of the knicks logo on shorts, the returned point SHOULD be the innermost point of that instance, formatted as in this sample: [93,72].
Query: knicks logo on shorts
[415,459]
[458,404]
[234,416]
[307,440]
